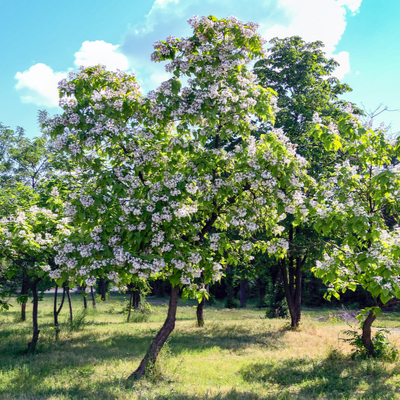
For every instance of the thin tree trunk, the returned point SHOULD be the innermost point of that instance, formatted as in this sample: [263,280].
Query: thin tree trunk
[288,294]
[35,337]
[158,342]
[93,297]
[243,300]
[366,333]
[298,291]
[83,288]
[57,311]
[136,298]
[103,289]
[24,291]
[71,316]
[200,313]
[130,306]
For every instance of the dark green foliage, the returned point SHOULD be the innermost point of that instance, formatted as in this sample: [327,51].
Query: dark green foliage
[276,302]
[301,75]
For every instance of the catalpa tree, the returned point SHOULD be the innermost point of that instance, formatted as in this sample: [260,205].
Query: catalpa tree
[28,238]
[162,189]
[353,203]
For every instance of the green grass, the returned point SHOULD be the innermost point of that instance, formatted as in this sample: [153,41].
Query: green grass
[237,355]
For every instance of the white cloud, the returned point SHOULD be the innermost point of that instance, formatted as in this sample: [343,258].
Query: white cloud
[343,58]
[100,52]
[39,85]
[352,5]
[323,20]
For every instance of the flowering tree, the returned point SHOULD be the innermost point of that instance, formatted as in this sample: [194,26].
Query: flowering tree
[352,204]
[27,240]
[161,187]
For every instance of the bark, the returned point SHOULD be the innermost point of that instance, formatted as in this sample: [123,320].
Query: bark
[158,342]
[293,289]
[55,308]
[292,282]
[84,297]
[200,313]
[24,291]
[366,333]
[93,297]
[103,289]
[71,316]
[35,337]
[57,311]
[136,298]
[130,306]
[243,300]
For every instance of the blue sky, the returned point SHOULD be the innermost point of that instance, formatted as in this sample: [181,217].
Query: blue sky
[42,40]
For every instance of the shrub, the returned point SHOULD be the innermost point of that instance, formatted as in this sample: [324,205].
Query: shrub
[383,349]
[142,313]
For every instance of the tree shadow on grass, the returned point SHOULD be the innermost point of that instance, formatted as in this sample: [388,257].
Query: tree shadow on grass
[79,356]
[335,377]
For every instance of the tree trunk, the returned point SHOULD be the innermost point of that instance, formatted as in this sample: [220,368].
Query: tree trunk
[200,313]
[57,312]
[136,298]
[84,297]
[366,334]
[103,289]
[24,291]
[297,293]
[158,342]
[93,297]
[293,285]
[57,329]
[35,337]
[130,306]
[71,316]
[243,300]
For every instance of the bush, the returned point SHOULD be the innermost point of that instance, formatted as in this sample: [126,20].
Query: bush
[231,303]
[276,306]
[383,349]
[142,313]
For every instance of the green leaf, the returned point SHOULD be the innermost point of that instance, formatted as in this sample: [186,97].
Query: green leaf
[175,86]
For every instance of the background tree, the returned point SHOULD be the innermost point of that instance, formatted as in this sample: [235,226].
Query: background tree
[27,238]
[301,75]
[27,168]
[351,203]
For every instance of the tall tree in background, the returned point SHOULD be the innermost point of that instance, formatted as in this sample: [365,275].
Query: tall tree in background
[301,75]
[27,176]
[23,160]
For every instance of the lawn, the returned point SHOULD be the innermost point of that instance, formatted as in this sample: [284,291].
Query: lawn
[238,355]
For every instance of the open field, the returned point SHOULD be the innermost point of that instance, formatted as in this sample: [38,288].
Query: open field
[237,355]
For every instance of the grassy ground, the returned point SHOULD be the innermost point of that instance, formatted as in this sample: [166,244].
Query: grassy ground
[237,355]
